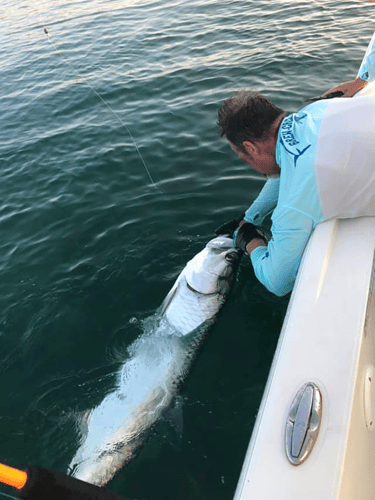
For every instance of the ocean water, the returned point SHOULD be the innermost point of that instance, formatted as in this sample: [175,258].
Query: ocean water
[91,244]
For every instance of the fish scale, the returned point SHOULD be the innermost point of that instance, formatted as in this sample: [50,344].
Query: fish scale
[189,309]
[158,361]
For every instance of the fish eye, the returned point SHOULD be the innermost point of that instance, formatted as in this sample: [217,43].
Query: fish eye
[231,257]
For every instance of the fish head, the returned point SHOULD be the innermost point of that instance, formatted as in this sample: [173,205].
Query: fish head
[213,269]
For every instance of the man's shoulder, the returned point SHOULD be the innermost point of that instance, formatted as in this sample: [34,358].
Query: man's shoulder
[298,131]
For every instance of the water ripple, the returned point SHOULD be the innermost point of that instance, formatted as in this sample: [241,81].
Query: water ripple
[87,241]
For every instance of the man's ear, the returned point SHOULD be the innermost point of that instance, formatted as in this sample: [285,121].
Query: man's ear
[250,147]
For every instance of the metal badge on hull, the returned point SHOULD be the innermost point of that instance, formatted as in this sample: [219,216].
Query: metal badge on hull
[303,423]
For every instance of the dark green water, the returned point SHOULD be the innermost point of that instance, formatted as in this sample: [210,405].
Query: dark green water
[89,247]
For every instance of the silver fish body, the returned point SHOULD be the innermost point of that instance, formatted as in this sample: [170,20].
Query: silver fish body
[158,361]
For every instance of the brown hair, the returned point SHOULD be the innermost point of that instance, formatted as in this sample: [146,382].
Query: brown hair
[246,116]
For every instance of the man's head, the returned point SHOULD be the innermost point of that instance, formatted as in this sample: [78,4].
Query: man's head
[250,122]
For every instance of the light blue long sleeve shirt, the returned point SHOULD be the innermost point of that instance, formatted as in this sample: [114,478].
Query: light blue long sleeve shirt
[326,154]
[367,68]
[293,198]
[315,150]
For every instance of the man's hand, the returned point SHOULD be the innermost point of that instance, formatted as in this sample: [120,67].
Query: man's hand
[248,235]
[348,89]
[229,227]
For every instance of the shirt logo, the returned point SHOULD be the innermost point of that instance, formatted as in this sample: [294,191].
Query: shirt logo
[266,255]
[288,138]
[286,132]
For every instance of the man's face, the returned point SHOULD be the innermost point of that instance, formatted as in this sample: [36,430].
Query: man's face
[259,155]
[242,155]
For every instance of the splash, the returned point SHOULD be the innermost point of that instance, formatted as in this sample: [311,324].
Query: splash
[146,386]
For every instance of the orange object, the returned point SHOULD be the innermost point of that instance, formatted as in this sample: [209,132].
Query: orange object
[12,477]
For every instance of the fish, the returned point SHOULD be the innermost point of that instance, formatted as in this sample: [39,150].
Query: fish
[158,362]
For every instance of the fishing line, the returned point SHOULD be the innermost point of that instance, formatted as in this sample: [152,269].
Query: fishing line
[75,70]
[8,496]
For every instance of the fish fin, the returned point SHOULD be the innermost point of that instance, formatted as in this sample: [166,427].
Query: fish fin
[168,299]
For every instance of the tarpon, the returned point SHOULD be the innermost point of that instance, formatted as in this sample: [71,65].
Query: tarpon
[158,361]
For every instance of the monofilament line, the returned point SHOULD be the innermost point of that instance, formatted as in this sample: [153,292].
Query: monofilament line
[103,101]
[8,496]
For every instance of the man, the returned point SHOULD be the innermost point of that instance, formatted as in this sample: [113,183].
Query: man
[320,163]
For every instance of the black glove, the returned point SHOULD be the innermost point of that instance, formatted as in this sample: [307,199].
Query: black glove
[245,234]
[229,227]
[338,93]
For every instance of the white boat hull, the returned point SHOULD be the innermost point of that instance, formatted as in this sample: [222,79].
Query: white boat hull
[328,339]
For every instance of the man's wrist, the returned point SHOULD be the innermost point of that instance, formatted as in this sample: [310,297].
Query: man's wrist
[255,243]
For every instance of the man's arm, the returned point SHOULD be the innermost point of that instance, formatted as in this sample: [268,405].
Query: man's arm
[264,204]
[276,264]
[367,69]
[349,88]
[253,244]
[366,73]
